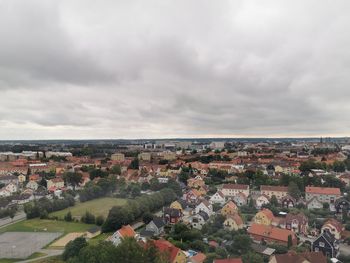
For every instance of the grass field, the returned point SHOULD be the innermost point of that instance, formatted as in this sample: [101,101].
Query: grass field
[54,259]
[43,225]
[100,206]
[11,260]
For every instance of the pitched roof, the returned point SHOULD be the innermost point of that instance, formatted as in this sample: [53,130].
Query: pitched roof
[270,232]
[235,217]
[322,190]
[167,247]
[126,231]
[236,186]
[273,188]
[228,260]
[198,258]
[312,257]
[204,215]
[158,221]
[267,212]
[335,223]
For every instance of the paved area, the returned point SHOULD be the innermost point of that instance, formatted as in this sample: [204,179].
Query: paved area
[63,241]
[8,221]
[48,252]
[23,244]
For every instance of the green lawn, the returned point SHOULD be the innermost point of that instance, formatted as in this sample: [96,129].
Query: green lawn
[44,225]
[54,259]
[11,260]
[100,206]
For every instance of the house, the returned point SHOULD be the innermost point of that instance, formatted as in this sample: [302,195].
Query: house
[198,258]
[174,254]
[55,183]
[196,182]
[314,203]
[229,208]
[233,222]
[21,178]
[261,200]
[192,196]
[11,187]
[334,227]
[93,232]
[345,178]
[204,206]
[298,223]
[270,190]
[172,215]
[4,192]
[342,205]
[197,221]
[125,231]
[327,244]
[264,217]
[156,226]
[271,234]
[306,257]
[6,179]
[217,198]
[288,201]
[323,194]
[32,185]
[177,205]
[230,190]
[240,199]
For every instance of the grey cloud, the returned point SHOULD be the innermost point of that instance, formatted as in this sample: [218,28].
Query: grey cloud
[166,69]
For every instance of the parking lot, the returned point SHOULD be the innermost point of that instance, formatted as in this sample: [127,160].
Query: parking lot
[23,244]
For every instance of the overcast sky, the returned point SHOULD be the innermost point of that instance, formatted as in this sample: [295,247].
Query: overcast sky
[159,69]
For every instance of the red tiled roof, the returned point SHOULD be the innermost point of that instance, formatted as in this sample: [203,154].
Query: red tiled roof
[270,232]
[199,258]
[322,190]
[127,231]
[236,186]
[165,246]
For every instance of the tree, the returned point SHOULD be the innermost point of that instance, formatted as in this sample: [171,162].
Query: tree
[73,178]
[294,190]
[100,220]
[241,244]
[252,257]
[290,241]
[68,217]
[147,217]
[274,201]
[88,218]
[134,164]
[73,248]
[116,169]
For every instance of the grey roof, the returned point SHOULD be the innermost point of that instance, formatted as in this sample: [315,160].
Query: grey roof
[204,215]
[158,221]
[146,233]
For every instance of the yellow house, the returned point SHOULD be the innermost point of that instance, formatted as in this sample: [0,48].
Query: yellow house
[264,217]
[180,257]
[195,182]
[21,178]
[233,222]
[229,209]
[176,205]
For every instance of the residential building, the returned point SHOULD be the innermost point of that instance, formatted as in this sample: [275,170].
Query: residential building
[323,194]
[240,199]
[175,255]
[270,190]
[172,215]
[271,234]
[327,244]
[197,221]
[120,157]
[306,257]
[334,227]
[264,217]
[123,232]
[229,208]
[288,201]
[230,190]
[233,222]
[204,206]
[261,200]
[156,226]
[298,223]
[217,198]
[145,156]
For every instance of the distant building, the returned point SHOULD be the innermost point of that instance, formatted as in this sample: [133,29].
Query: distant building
[120,157]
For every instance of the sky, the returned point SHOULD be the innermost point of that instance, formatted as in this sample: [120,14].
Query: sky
[112,69]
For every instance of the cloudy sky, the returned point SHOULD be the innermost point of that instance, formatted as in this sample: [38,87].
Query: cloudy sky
[159,69]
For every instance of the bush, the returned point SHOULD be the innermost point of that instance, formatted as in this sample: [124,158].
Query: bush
[68,217]
[100,220]
[88,218]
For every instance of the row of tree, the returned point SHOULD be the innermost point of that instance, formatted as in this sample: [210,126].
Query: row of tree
[42,207]
[103,187]
[134,209]
[129,251]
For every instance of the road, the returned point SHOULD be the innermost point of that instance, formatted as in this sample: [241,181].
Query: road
[8,221]
[48,252]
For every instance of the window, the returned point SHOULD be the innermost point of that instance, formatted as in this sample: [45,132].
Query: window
[321,244]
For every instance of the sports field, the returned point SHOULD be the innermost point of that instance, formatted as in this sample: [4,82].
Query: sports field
[100,206]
